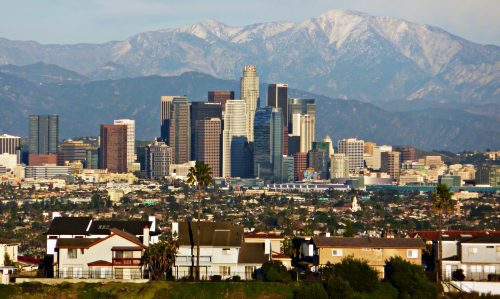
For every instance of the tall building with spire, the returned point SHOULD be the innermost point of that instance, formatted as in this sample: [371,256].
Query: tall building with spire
[234,139]
[249,90]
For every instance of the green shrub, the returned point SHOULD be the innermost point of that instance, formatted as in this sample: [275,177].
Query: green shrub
[236,278]
[357,273]
[338,288]
[409,279]
[275,271]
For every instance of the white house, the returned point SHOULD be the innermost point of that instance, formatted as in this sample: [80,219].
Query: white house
[116,256]
[11,248]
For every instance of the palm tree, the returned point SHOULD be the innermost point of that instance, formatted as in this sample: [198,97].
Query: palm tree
[442,203]
[159,258]
[199,175]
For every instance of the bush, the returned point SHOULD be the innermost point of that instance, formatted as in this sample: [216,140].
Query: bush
[275,271]
[409,279]
[338,288]
[307,291]
[357,273]
[216,278]
[236,278]
[458,275]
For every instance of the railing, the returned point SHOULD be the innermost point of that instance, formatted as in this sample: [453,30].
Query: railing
[187,259]
[123,273]
[473,276]
[214,275]
[126,261]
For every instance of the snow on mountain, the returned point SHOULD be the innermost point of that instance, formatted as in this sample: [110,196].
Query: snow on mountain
[340,53]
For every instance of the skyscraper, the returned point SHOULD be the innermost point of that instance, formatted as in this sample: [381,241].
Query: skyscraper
[268,144]
[166,102]
[249,90]
[113,153]
[408,154]
[9,144]
[43,134]
[180,131]
[339,166]
[390,164]
[319,158]
[288,174]
[353,148]
[297,107]
[221,97]
[277,96]
[158,159]
[130,123]
[307,132]
[299,165]
[234,139]
[202,111]
[72,151]
[207,137]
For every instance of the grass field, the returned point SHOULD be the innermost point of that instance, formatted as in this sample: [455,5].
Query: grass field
[186,290]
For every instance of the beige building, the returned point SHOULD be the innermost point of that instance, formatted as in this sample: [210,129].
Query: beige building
[376,251]
[353,148]
[339,166]
[390,164]
[130,123]
[249,90]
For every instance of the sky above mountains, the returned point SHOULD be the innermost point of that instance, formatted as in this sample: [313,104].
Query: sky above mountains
[93,21]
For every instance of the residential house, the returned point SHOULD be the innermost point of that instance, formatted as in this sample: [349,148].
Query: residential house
[224,250]
[116,256]
[478,257]
[9,247]
[86,227]
[376,251]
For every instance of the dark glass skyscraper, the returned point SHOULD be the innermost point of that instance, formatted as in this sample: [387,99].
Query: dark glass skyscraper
[277,97]
[179,130]
[43,134]
[268,144]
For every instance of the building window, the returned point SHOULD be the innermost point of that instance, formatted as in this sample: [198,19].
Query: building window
[224,270]
[72,253]
[412,253]
[337,252]
[225,251]
[249,270]
[472,250]
[491,269]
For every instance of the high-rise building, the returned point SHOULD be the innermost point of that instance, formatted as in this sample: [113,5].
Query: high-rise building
[158,157]
[353,148]
[390,162]
[92,158]
[318,160]
[180,131]
[166,107]
[374,161]
[293,144]
[9,144]
[268,144]
[42,159]
[299,165]
[207,137]
[368,147]
[113,152]
[408,154]
[329,140]
[221,97]
[234,139]
[249,90]
[307,132]
[130,123]
[72,151]
[43,134]
[202,111]
[339,166]
[288,174]
[297,107]
[277,96]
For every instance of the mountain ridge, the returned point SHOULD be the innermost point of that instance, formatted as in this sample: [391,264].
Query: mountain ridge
[340,53]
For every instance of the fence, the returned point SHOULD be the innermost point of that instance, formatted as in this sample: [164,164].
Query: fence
[102,273]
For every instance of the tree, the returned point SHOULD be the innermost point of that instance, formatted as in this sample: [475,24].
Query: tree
[349,229]
[7,261]
[200,175]
[441,200]
[409,279]
[357,273]
[337,288]
[308,290]
[275,271]
[160,257]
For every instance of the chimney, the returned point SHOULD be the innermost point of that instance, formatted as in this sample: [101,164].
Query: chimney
[145,236]
[152,219]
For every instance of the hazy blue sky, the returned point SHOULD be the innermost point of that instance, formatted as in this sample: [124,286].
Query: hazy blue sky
[72,21]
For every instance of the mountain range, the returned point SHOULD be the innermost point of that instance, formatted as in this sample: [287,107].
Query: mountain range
[85,104]
[339,54]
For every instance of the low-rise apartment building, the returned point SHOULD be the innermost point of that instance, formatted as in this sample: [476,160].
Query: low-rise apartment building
[376,251]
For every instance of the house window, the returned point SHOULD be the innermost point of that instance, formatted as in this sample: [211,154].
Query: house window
[225,251]
[72,253]
[224,270]
[412,253]
[475,268]
[491,269]
[472,250]
[337,252]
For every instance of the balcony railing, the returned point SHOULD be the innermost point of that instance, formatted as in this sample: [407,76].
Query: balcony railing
[126,261]
[182,259]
